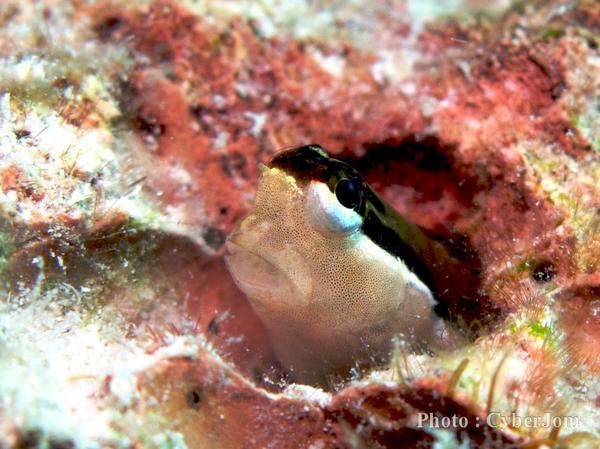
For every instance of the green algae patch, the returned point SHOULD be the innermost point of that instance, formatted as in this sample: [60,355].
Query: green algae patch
[588,124]
[550,33]
[540,330]
[6,248]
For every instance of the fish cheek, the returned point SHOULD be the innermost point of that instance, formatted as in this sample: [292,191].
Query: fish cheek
[299,275]
[268,264]
[273,295]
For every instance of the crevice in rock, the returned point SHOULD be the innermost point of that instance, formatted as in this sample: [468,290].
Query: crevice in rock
[420,179]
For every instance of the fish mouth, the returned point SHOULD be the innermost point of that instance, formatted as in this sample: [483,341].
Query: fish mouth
[258,278]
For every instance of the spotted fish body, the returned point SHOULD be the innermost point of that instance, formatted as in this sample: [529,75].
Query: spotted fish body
[332,270]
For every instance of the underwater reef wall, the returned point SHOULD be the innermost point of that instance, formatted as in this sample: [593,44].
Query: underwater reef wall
[130,140]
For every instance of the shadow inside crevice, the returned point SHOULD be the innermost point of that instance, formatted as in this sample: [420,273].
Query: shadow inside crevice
[420,179]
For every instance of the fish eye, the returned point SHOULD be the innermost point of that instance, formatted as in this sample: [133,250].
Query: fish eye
[348,193]
[327,215]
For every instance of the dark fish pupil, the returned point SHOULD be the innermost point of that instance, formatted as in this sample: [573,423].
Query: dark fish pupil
[348,193]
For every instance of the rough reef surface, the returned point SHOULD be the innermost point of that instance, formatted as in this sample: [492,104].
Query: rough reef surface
[130,138]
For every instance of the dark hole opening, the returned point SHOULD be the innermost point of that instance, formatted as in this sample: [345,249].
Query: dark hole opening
[194,398]
[543,271]
[149,125]
[106,27]
[420,180]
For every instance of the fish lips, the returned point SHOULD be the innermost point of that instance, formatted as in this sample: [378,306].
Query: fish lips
[262,281]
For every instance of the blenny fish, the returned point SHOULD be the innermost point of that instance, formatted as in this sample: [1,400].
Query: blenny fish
[332,270]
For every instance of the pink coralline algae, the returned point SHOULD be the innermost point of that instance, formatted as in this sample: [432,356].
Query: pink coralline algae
[130,143]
